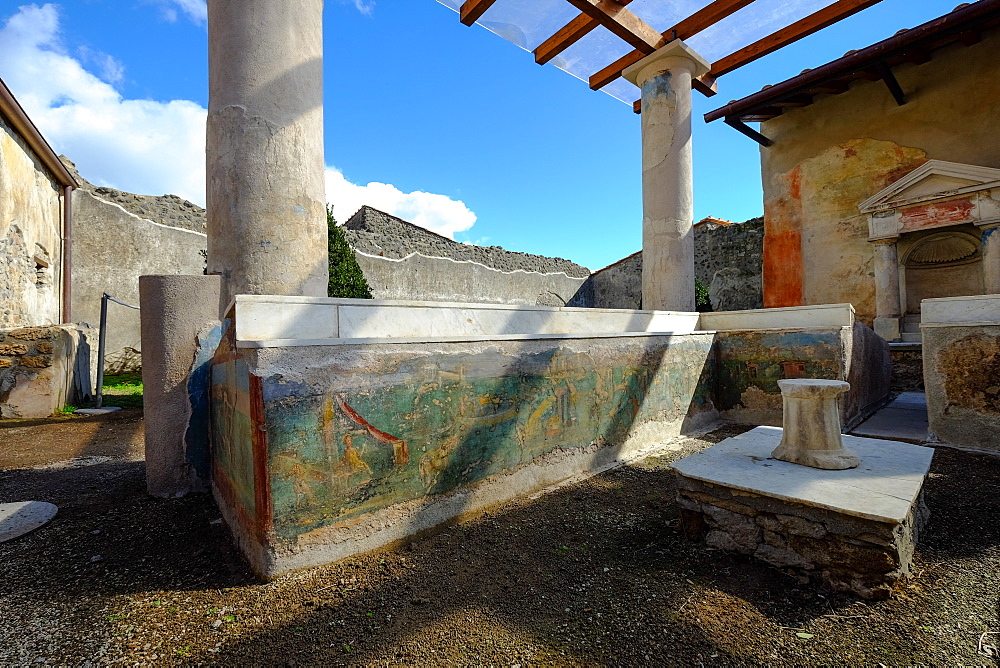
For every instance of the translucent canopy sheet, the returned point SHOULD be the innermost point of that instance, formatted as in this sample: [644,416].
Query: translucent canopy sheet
[528,23]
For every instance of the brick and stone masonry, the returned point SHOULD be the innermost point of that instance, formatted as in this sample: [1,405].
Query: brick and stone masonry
[845,552]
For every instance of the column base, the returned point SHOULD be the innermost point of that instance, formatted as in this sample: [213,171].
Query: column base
[888,328]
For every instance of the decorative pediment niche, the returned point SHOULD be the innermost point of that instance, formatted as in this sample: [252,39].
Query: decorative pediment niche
[936,194]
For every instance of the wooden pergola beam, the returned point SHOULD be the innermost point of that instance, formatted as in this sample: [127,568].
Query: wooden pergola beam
[692,25]
[621,21]
[473,9]
[569,35]
[803,28]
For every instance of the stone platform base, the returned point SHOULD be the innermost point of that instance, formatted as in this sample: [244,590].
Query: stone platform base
[855,530]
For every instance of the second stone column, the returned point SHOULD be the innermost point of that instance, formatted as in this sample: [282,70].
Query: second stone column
[667,181]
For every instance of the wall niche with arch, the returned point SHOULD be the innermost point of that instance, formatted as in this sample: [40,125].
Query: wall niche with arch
[940,264]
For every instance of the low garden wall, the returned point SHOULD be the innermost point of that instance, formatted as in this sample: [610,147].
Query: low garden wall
[43,369]
[961,351]
[342,425]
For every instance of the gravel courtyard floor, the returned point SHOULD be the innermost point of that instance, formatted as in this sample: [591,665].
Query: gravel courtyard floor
[591,573]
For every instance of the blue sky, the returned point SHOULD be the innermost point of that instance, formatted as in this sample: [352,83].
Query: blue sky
[444,125]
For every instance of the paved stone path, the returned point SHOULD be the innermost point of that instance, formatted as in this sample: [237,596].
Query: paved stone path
[904,419]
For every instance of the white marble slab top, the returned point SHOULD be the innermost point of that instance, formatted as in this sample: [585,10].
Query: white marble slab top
[17,519]
[883,488]
[967,310]
[789,317]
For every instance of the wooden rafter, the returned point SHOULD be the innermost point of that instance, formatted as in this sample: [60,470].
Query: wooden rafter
[692,25]
[569,35]
[621,21]
[803,28]
[473,9]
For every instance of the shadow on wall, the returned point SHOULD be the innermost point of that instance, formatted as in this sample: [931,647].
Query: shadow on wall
[360,433]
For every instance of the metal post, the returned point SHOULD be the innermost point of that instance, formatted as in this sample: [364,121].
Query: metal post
[99,394]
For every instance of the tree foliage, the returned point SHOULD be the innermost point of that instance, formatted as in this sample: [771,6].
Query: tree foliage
[701,299]
[346,279]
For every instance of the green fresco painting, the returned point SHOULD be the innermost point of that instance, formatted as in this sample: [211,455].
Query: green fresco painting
[232,429]
[760,359]
[336,453]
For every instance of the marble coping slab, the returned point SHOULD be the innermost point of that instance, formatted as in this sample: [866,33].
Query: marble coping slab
[882,488]
[978,309]
[268,319]
[271,318]
[791,317]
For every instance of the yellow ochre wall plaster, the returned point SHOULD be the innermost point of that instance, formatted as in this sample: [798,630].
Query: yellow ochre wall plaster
[30,226]
[829,157]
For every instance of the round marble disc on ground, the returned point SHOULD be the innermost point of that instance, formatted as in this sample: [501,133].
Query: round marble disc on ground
[17,519]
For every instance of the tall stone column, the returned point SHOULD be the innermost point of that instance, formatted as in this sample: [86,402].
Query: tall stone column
[991,258]
[266,196]
[887,308]
[667,183]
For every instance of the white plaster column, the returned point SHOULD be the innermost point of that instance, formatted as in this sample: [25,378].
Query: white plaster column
[887,307]
[810,433]
[265,188]
[991,258]
[667,183]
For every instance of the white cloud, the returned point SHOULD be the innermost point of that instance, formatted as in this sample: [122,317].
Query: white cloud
[196,10]
[142,146]
[437,213]
[366,7]
[111,69]
[151,147]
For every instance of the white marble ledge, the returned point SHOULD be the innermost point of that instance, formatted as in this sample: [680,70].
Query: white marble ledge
[972,309]
[291,343]
[790,317]
[883,488]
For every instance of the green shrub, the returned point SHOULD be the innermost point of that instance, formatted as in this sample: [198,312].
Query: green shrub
[701,300]
[346,279]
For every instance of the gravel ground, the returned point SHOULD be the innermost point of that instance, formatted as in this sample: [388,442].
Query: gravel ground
[586,574]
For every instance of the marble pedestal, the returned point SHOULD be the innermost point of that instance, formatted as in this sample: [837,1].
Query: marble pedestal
[811,420]
[854,529]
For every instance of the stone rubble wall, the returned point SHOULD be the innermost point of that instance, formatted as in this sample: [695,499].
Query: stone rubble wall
[112,248]
[403,261]
[376,233]
[907,370]
[727,260]
[169,210]
[846,553]
[43,369]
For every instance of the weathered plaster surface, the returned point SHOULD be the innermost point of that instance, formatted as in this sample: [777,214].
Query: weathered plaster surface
[180,330]
[350,440]
[962,381]
[829,157]
[30,237]
[816,248]
[112,248]
[266,204]
[43,369]
[667,174]
[422,277]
